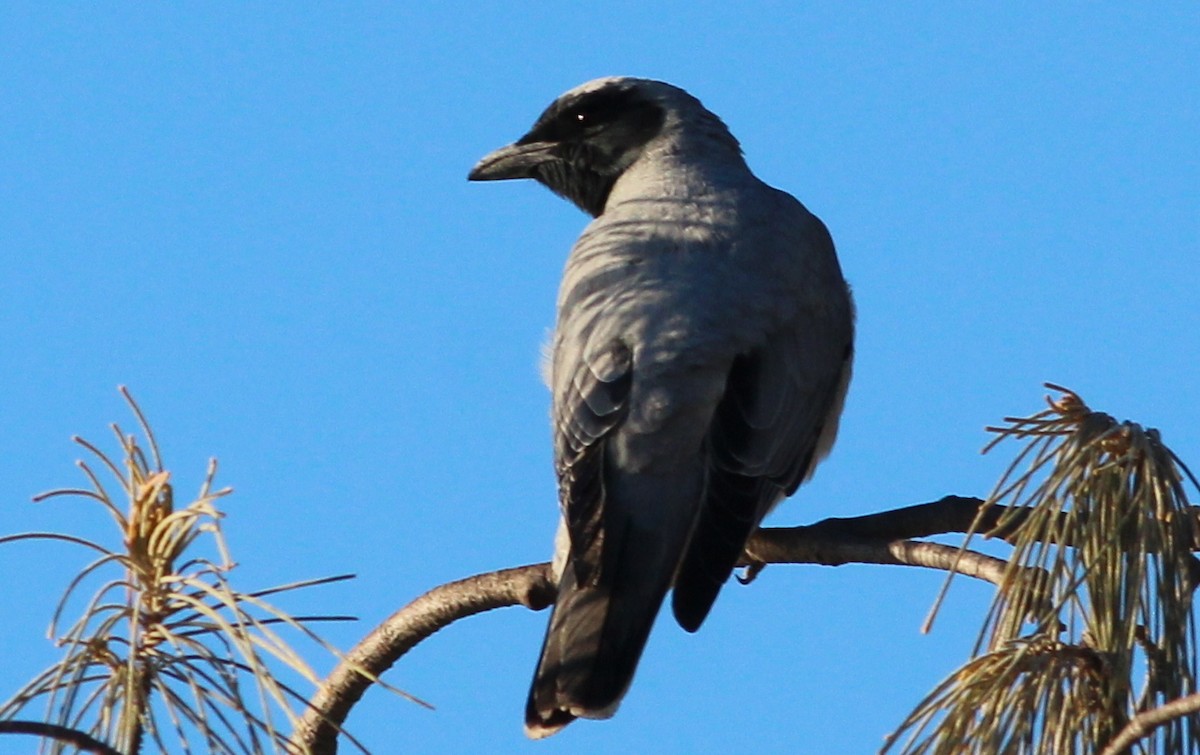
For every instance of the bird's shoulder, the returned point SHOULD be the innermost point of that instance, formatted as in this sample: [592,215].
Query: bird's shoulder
[723,240]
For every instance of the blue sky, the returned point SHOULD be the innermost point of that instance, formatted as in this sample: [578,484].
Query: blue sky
[259,221]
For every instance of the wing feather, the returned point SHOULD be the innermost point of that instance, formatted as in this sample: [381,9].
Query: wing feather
[594,404]
[765,433]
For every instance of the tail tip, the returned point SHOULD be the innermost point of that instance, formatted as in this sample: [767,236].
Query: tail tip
[690,613]
[539,726]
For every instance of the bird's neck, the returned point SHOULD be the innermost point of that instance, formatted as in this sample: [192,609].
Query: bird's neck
[691,168]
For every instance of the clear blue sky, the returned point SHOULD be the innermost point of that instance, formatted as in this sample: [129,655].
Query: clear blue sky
[259,221]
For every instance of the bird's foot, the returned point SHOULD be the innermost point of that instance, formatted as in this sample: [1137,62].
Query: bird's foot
[750,570]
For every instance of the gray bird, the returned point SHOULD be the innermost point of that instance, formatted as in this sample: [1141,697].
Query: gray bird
[698,366]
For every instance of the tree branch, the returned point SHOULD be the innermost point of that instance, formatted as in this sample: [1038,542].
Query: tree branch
[1143,723]
[880,538]
[872,539]
[952,513]
[800,546]
[77,739]
[529,586]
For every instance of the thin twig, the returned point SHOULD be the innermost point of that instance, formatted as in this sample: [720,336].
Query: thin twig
[77,739]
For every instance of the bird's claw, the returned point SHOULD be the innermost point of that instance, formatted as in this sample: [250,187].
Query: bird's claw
[750,571]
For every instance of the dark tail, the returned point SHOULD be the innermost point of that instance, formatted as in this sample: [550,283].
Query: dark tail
[598,630]
[729,517]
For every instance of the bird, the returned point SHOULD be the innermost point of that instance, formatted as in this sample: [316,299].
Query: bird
[698,366]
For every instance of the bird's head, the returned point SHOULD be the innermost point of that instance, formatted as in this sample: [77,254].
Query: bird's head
[588,137]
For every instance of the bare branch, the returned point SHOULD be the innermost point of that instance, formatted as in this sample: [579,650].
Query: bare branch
[872,539]
[523,585]
[1143,723]
[880,538]
[798,546]
[952,513]
[947,515]
[77,739]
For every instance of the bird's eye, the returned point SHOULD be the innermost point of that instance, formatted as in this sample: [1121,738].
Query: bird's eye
[577,120]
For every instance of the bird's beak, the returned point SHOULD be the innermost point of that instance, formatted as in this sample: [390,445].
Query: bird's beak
[514,161]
